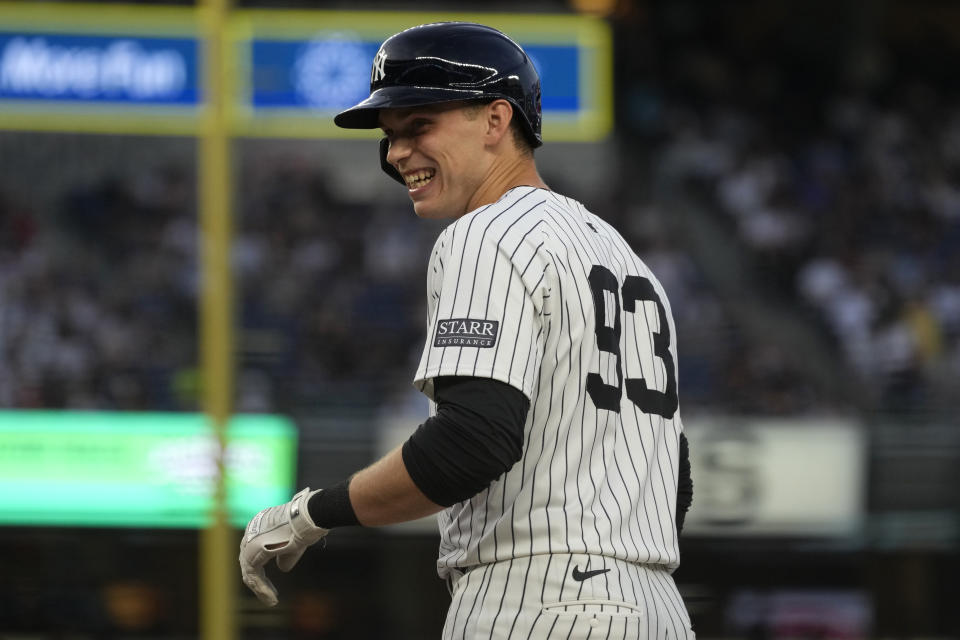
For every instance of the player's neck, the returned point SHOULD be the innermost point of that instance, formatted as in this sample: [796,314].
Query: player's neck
[503,176]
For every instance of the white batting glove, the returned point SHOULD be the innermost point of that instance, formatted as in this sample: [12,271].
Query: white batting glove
[283,532]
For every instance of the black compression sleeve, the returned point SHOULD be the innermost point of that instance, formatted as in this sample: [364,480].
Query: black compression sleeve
[684,483]
[475,437]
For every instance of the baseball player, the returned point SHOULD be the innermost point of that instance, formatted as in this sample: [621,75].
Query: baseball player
[554,452]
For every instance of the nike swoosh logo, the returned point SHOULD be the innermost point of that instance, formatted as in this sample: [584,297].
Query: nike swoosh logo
[580,576]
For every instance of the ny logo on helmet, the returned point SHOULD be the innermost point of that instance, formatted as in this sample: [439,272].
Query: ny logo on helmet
[377,72]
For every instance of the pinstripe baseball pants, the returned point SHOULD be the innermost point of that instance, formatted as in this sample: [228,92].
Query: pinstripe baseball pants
[571,597]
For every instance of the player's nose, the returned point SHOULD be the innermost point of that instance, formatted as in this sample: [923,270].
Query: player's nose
[398,149]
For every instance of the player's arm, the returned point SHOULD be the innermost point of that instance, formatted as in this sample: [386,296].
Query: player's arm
[384,493]
[475,436]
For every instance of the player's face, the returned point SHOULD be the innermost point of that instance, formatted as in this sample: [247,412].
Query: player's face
[439,151]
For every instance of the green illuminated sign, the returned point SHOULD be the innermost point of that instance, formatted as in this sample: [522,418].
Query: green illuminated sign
[138,469]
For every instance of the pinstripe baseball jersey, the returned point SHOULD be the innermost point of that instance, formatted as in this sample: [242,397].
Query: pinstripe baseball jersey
[537,292]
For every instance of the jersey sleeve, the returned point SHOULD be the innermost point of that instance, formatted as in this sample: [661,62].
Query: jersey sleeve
[487,303]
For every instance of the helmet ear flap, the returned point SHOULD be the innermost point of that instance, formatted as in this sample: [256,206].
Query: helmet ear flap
[386,166]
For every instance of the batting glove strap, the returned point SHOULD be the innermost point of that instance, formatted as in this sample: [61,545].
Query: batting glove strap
[302,524]
[290,521]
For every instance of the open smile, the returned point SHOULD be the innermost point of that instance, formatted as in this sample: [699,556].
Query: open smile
[419,178]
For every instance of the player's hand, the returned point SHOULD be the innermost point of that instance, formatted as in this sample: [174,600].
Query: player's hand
[283,532]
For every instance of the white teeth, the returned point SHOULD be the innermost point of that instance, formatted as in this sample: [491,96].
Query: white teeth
[418,179]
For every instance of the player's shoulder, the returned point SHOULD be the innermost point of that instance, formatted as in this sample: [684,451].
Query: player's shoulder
[513,219]
[517,203]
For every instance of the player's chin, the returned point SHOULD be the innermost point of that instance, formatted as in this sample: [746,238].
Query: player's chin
[431,209]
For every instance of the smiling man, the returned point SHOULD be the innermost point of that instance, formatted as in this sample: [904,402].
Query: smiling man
[555,454]
[455,157]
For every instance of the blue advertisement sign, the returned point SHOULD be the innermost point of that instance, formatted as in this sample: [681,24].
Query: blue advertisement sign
[333,73]
[106,69]
[72,68]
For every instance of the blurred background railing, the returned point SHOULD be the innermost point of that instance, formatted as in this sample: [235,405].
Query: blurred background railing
[790,171]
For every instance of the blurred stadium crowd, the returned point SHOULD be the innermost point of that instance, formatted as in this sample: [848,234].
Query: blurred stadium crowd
[850,220]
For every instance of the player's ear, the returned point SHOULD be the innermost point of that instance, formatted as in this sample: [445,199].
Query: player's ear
[499,113]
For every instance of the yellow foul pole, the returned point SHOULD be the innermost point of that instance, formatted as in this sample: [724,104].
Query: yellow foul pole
[218,545]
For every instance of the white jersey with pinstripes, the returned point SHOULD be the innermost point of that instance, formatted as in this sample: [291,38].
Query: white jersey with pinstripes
[537,292]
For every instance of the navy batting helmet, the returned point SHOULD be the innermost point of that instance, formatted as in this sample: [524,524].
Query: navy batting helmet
[445,62]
